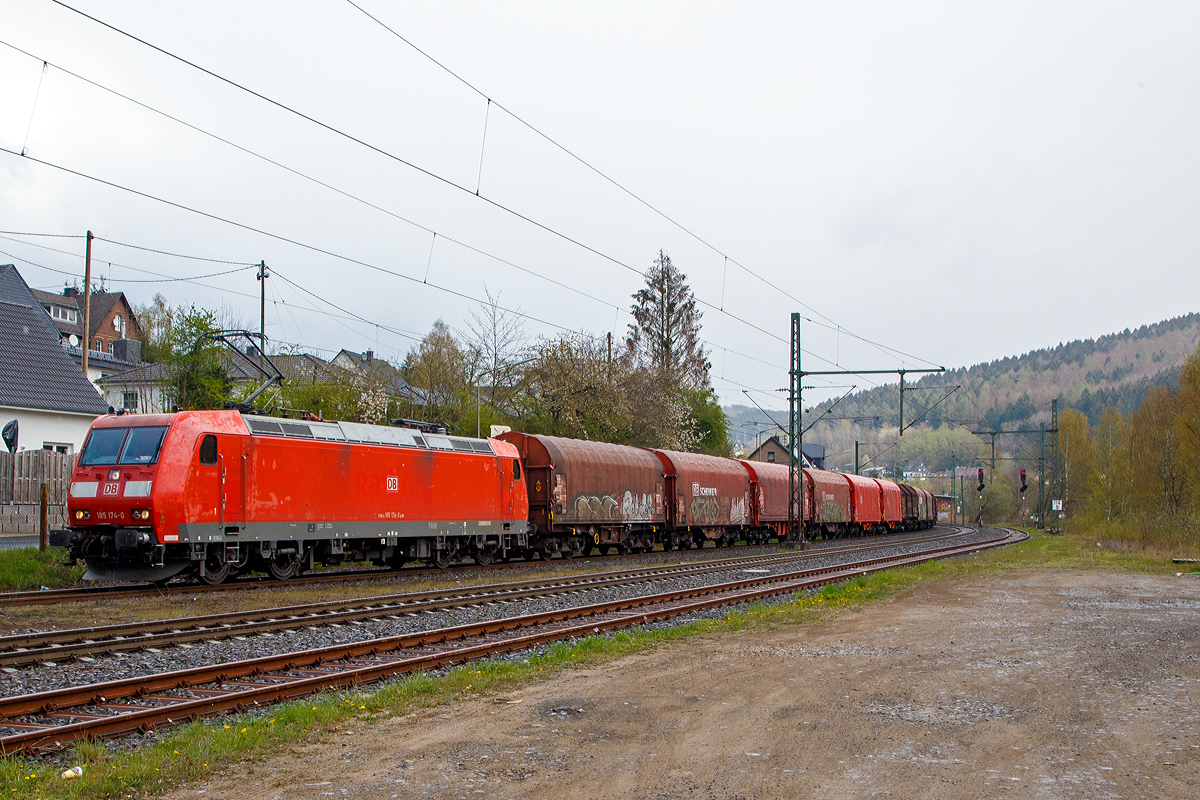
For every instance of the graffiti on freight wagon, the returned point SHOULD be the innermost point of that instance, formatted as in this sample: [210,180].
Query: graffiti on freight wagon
[632,507]
[710,510]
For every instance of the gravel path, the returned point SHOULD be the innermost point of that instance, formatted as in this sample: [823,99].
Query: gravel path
[1050,685]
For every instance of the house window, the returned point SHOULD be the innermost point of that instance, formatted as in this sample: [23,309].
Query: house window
[771,456]
[129,401]
[59,312]
[55,447]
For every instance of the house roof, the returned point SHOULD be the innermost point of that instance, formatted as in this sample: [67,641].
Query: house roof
[383,371]
[35,371]
[101,302]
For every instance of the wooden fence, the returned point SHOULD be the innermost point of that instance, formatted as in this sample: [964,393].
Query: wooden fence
[22,476]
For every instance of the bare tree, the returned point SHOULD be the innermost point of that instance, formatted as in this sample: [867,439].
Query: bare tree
[440,368]
[575,391]
[498,340]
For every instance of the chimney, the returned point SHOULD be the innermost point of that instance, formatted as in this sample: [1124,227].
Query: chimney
[369,356]
[70,291]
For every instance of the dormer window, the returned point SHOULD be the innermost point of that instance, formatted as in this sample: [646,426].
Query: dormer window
[119,324]
[60,312]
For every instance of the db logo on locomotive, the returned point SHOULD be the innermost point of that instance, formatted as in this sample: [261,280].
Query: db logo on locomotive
[393,483]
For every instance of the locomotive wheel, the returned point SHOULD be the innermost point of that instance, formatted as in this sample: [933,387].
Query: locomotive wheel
[485,555]
[283,566]
[214,573]
[441,559]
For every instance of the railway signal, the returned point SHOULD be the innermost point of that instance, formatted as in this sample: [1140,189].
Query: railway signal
[1023,486]
[981,479]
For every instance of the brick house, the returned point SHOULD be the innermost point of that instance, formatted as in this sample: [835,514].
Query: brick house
[772,451]
[114,345]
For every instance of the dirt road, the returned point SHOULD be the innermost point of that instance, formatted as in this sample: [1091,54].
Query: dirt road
[1048,684]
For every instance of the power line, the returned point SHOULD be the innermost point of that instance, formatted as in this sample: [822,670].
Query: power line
[440,178]
[162,279]
[175,255]
[492,101]
[54,235]
[312,179]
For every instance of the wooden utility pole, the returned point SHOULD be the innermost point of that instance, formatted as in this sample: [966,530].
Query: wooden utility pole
[44,527]
[87,303]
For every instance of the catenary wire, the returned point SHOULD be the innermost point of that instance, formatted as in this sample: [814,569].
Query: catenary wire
[442,179]
[491,101]
[312,179]
[462,244]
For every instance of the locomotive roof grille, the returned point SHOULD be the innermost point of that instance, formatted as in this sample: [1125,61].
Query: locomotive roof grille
[364,434]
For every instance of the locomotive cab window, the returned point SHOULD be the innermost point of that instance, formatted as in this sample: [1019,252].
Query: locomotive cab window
[102,446]
[122,446]
[516,469]
[208,450]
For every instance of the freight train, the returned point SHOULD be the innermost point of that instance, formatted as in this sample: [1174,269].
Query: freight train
[214,494]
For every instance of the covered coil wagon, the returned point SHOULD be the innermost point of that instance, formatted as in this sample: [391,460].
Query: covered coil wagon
[586,495]
[711,498]
[891,504]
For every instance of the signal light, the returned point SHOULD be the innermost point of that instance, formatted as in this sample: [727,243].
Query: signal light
[1023,487]
[981,479]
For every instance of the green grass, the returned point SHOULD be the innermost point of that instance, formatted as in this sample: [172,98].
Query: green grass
[192,752]
[28,568]
[1174,535]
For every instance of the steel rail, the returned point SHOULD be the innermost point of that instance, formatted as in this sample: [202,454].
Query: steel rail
[277,678]
[58,645]
[121,592]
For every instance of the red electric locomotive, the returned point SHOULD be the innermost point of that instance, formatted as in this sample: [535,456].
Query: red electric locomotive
[217,493]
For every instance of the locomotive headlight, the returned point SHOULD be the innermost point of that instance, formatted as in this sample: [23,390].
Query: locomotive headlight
[140,514]
[81,514]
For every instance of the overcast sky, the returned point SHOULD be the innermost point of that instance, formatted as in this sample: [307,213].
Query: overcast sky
[959,182]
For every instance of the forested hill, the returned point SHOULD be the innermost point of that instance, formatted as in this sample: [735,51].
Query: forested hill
[1089,374]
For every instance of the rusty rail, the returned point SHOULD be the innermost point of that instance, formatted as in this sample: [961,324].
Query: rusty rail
[52,647]
[122,592]
[49,719]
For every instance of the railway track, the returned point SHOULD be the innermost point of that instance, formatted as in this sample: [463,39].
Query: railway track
[50,719]
[57,646]
[121,592]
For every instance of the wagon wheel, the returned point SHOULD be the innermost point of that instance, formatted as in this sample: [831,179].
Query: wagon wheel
[485,555]
[215,571]
[440,559]
[282,566]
